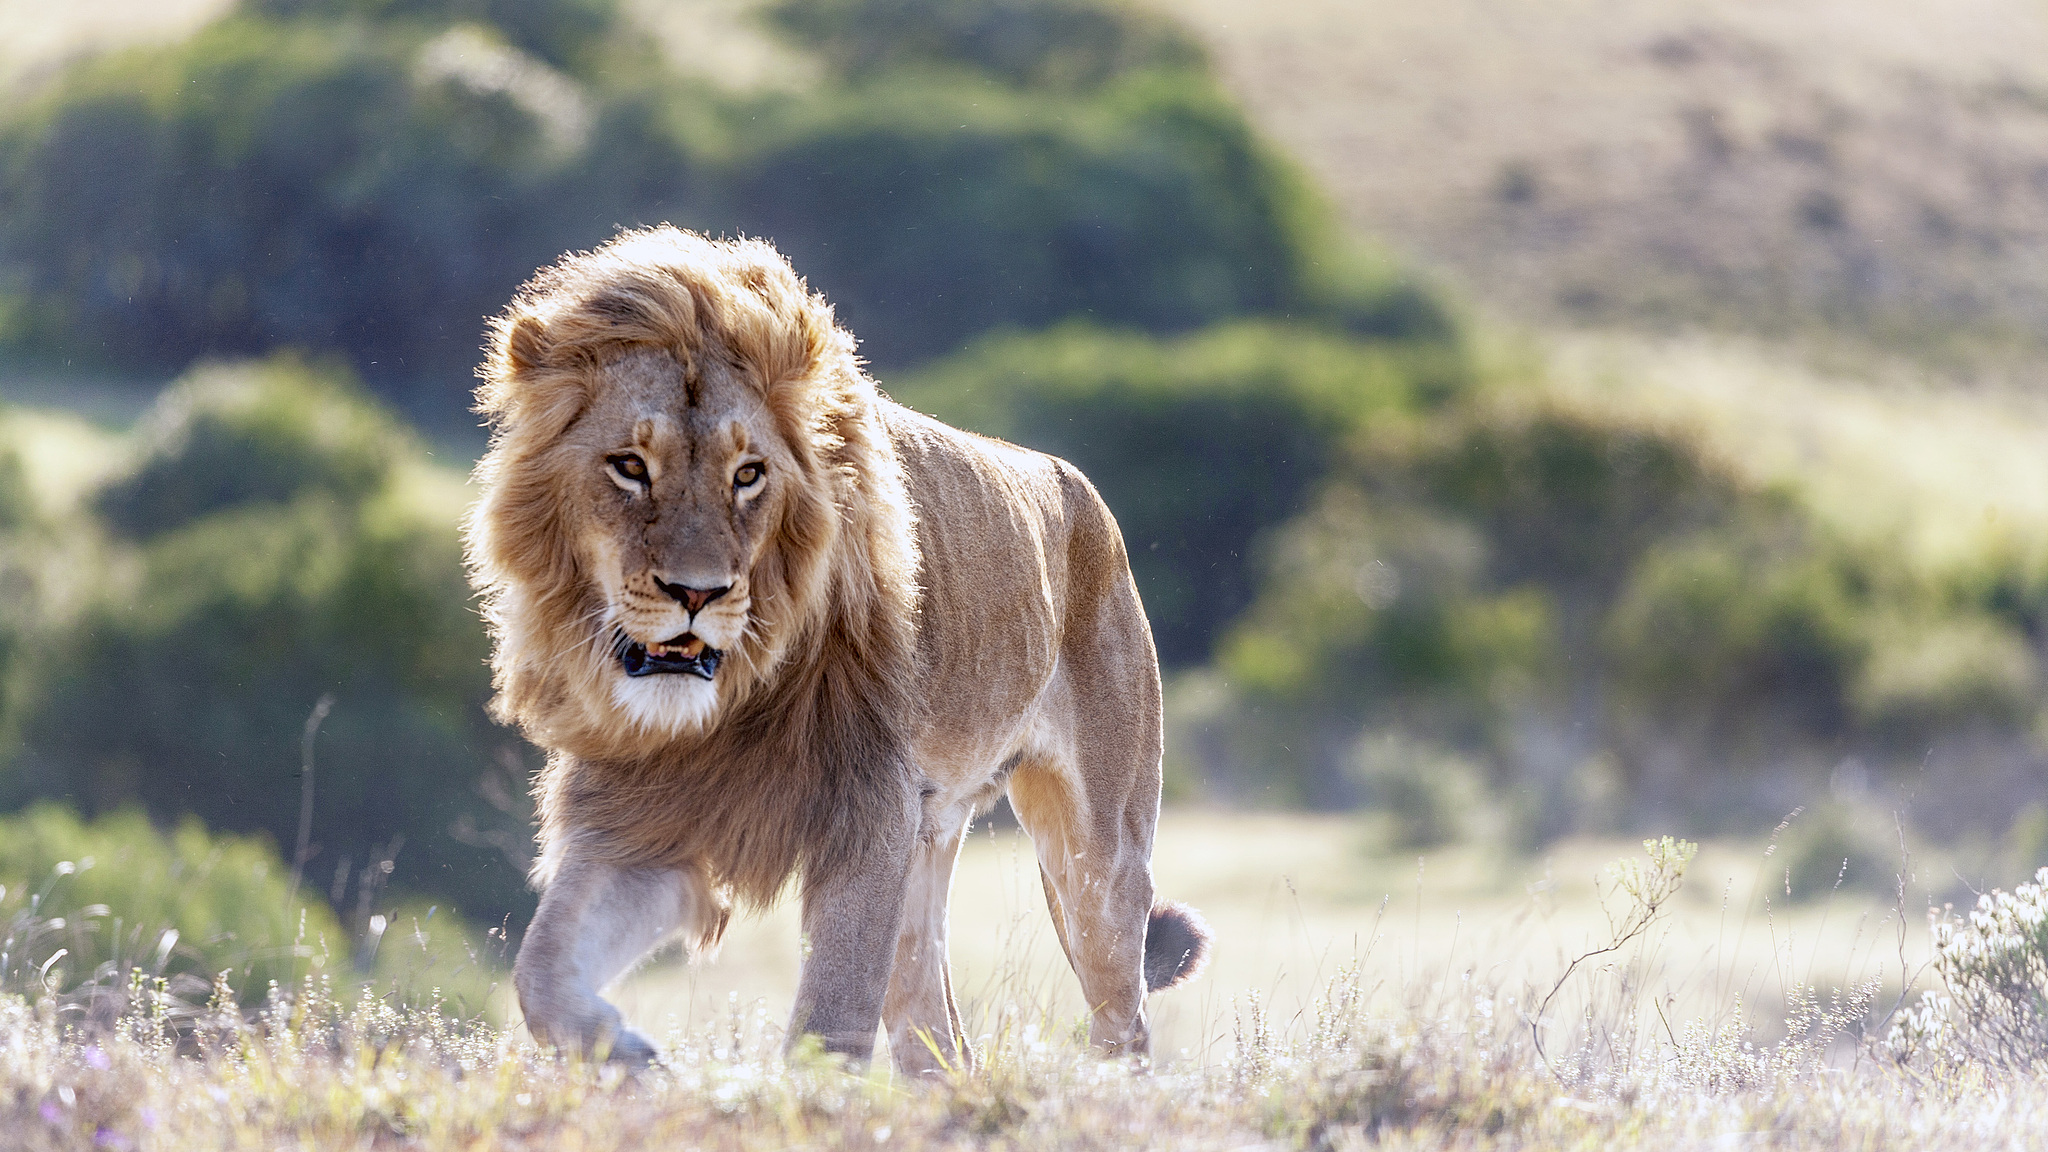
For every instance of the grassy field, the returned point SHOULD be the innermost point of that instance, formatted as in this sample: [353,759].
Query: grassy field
[1357,998]
[1294,899]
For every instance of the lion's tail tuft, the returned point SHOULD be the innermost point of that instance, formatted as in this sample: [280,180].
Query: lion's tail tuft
[1176,946]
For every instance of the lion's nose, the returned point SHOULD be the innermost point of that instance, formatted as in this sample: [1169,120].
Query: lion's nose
[693,599]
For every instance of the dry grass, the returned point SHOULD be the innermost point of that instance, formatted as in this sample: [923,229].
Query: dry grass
[1398,1052]
[1294,899]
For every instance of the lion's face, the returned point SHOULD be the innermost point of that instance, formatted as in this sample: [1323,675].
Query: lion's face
[673,491]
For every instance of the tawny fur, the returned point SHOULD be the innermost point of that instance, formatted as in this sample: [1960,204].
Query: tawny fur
[837,588]
[919,621]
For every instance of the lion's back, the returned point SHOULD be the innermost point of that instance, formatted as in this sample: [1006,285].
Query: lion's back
[1012,543]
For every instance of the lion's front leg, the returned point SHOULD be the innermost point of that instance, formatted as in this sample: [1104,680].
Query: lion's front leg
[595,920]
[851,922]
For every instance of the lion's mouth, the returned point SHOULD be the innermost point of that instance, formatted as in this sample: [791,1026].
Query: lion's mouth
[685,653]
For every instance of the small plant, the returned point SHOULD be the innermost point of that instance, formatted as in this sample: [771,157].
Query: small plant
[1646,886]
[1992,1007]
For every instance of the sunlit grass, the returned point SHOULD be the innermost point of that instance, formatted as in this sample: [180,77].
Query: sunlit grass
[1946,479]
[1377,1050]
[1294,899]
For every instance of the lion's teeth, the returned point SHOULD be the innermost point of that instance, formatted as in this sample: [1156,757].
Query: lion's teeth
[689,649]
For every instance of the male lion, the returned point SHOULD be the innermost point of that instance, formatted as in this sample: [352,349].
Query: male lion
[769,624]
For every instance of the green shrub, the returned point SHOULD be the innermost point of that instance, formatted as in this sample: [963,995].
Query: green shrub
[1545,586]
[269,184]
[185,683]
[1566,496]
[374,178]
[269,435]
[1432,795]
[83,904]
[1370,608]
[933,212]
[118,893]
[17,503]
[1198,444]
[1836,846]
[1953,672]
[1720,626]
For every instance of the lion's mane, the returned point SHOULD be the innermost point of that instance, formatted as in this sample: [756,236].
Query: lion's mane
[803,766]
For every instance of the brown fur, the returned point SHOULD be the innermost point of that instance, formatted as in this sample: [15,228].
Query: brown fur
[838,582]
[914,619]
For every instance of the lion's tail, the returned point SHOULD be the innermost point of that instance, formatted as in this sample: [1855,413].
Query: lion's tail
[1176,945]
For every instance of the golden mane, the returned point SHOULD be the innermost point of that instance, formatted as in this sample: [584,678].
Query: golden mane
[806,756]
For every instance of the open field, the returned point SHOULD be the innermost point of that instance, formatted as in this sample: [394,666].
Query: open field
[1357,1000]
[1293,899]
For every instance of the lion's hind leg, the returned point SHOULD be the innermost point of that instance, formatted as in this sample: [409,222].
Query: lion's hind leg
[1099,891]
[1087,790]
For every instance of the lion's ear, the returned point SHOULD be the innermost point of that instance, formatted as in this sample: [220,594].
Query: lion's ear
[524,385]
[526,343]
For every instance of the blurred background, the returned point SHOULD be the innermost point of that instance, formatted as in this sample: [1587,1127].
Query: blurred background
[1530,423]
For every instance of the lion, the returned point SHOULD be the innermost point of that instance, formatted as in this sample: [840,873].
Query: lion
[773,627]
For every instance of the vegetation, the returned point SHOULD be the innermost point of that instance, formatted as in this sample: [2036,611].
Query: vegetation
[1992,1004]
[1594,1054]
[1349,541]
[1198,443]
[88,903]
[88,909]
[375,178]
[278,539]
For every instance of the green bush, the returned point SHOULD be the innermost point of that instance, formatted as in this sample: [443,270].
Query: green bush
[1566,496]
[117,894]
[1198,444]
[1451,553]
[1543,585]
[268,435]
[1721,626]
[930,213]
[185,683]
[84,904]
[1956,671]
[374,178]
[271,184]
[1835,846]
[1433,796]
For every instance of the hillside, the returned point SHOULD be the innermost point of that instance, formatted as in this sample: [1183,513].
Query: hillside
[1875,170]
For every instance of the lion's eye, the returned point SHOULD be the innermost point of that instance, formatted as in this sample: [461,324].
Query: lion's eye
[748,476]
[631,466]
